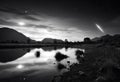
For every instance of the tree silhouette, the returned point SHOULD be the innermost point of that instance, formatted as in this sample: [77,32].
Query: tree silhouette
[87,40]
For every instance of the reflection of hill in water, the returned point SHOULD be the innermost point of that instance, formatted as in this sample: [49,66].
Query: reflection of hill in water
[35,68]
[7,55]
[52,48]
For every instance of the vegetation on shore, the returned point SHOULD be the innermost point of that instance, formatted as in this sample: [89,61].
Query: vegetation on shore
[101,64]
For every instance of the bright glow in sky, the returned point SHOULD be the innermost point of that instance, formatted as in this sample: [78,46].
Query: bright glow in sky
[21,23]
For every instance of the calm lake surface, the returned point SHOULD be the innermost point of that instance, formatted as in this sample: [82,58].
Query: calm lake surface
[34,65]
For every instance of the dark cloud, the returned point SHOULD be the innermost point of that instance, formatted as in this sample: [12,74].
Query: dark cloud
[18,13]
[4,22]
[28,17]
[37,26]
[11,10]
[116,20]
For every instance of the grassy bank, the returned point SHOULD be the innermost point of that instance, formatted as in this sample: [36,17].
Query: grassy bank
[100,64]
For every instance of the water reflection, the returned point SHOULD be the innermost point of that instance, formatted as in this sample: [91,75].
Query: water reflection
[52,48]
[20,66]
[37,64]
[7,55]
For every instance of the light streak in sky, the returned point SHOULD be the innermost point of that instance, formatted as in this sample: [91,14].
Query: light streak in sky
[100,28]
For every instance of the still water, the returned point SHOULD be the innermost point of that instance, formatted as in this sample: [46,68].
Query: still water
[34,65]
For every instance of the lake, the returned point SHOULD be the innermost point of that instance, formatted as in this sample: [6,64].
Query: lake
[35,65]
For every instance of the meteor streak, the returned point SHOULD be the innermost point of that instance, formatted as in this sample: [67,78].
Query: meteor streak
[98,26]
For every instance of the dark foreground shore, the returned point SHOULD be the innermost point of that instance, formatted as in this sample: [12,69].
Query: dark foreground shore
[100,64]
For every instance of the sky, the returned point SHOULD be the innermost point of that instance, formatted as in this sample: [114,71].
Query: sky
[61,19]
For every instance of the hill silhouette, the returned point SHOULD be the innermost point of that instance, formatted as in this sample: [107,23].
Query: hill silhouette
[8,35]
[113,40]
[51,40]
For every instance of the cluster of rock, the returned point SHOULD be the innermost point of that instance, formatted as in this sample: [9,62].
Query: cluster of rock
[99,65]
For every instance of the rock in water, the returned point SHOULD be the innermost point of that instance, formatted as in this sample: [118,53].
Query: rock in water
[59,56]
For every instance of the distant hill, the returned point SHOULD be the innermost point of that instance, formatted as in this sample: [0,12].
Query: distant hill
[8,35]
[109,39]
[96,39]
[50,40]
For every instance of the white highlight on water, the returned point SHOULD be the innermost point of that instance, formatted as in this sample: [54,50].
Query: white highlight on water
[20,66]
